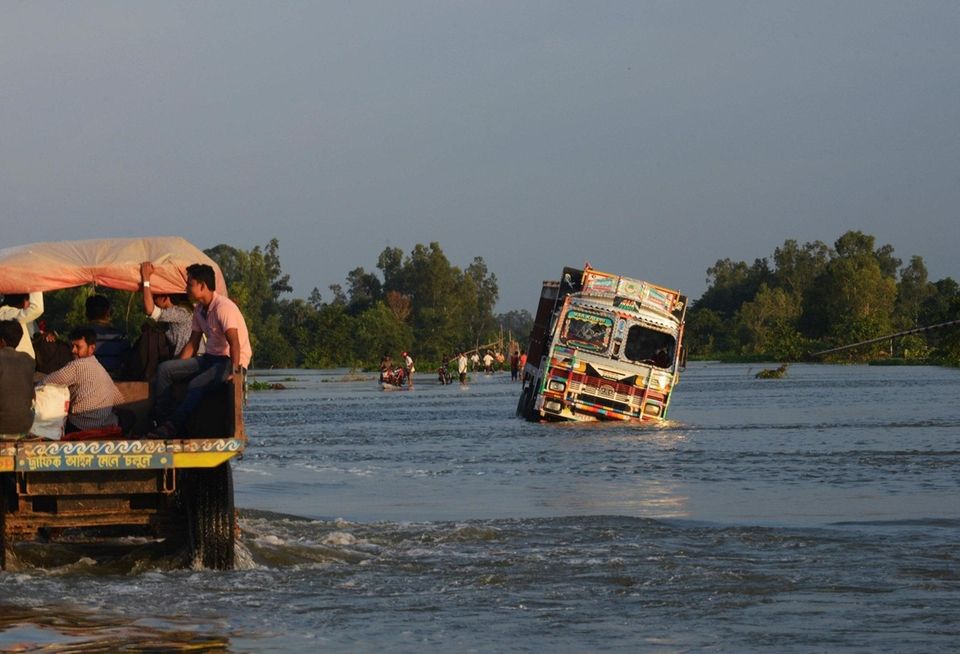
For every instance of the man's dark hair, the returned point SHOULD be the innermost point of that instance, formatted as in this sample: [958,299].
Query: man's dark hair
[203,273]
[11,332]
[178,299]
[85,333]
[98,307]
[15,300]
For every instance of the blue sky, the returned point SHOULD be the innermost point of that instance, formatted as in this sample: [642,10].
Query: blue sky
[648,138]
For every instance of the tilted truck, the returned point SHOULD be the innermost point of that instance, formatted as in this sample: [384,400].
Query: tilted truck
[603,347]
[179,490]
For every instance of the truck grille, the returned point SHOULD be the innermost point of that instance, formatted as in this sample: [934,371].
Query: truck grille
[604,392]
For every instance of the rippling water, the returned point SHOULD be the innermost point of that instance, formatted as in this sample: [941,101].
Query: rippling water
[819,512]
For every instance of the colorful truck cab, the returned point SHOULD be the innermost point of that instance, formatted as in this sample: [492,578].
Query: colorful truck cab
[603,347]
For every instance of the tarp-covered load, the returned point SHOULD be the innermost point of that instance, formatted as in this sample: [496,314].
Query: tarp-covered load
[110,262]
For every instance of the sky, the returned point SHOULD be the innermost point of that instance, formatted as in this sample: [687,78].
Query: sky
[649,139]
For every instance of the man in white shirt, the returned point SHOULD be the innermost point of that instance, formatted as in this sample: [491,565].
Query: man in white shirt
[25,309]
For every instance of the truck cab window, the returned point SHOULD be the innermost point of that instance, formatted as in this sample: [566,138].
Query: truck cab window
[587,331]
[649,346]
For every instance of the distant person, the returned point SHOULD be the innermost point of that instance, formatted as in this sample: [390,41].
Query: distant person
[16,381]
[169,310]
[443,373]
[93,395]
[523,362]
[475,361]
[488,362]
[408,364]
[386,365]
[25,309]
[112,344]
[462,368]
[514,365]
[228,352]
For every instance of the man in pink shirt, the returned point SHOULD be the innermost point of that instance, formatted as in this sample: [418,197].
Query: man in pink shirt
[227,353]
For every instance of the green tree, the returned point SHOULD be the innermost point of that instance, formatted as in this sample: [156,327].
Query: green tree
[943,305]
[796,267]
[479,295]
[769,323]
[378,332]
[912,292]
[857,301]
[853,298]
[339,297]
[433,285]
[731,283]
[706,333]
[364,290]
[333,342]
[298,324]
[255,282]
[390,264]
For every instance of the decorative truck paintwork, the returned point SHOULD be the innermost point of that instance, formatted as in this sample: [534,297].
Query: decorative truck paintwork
[603,347]
[117,455]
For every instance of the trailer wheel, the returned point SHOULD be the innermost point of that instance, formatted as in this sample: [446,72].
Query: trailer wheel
[3,530]
[6,486]
[210,517]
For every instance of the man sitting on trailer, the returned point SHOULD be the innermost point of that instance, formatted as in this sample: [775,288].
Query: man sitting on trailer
[113,346]
[92,392]
[228,352]
[16,381]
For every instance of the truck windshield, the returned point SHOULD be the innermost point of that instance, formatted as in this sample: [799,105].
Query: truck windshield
[646,345]
[587,331]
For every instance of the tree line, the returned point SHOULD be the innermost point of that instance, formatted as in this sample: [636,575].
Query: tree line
[802,299]
[419,302]
[812,297]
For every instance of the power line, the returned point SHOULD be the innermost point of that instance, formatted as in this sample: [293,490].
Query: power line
[889,336]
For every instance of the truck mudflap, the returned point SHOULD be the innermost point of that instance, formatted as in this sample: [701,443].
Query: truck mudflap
[62,456]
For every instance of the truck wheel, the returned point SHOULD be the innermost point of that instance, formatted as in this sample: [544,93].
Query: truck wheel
[210,518]
[521,402]
[525,404]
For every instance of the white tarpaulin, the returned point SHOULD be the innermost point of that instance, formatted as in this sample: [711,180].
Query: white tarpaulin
[111,262]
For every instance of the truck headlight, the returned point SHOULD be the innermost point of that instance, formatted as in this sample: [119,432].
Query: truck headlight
[557,386]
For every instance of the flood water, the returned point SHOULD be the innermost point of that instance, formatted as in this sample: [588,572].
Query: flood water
[819,512]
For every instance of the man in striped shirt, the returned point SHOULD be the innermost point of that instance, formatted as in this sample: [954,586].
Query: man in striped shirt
[92,392]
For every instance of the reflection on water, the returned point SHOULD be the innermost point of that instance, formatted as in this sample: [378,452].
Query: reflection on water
[612,486]
[68,628]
